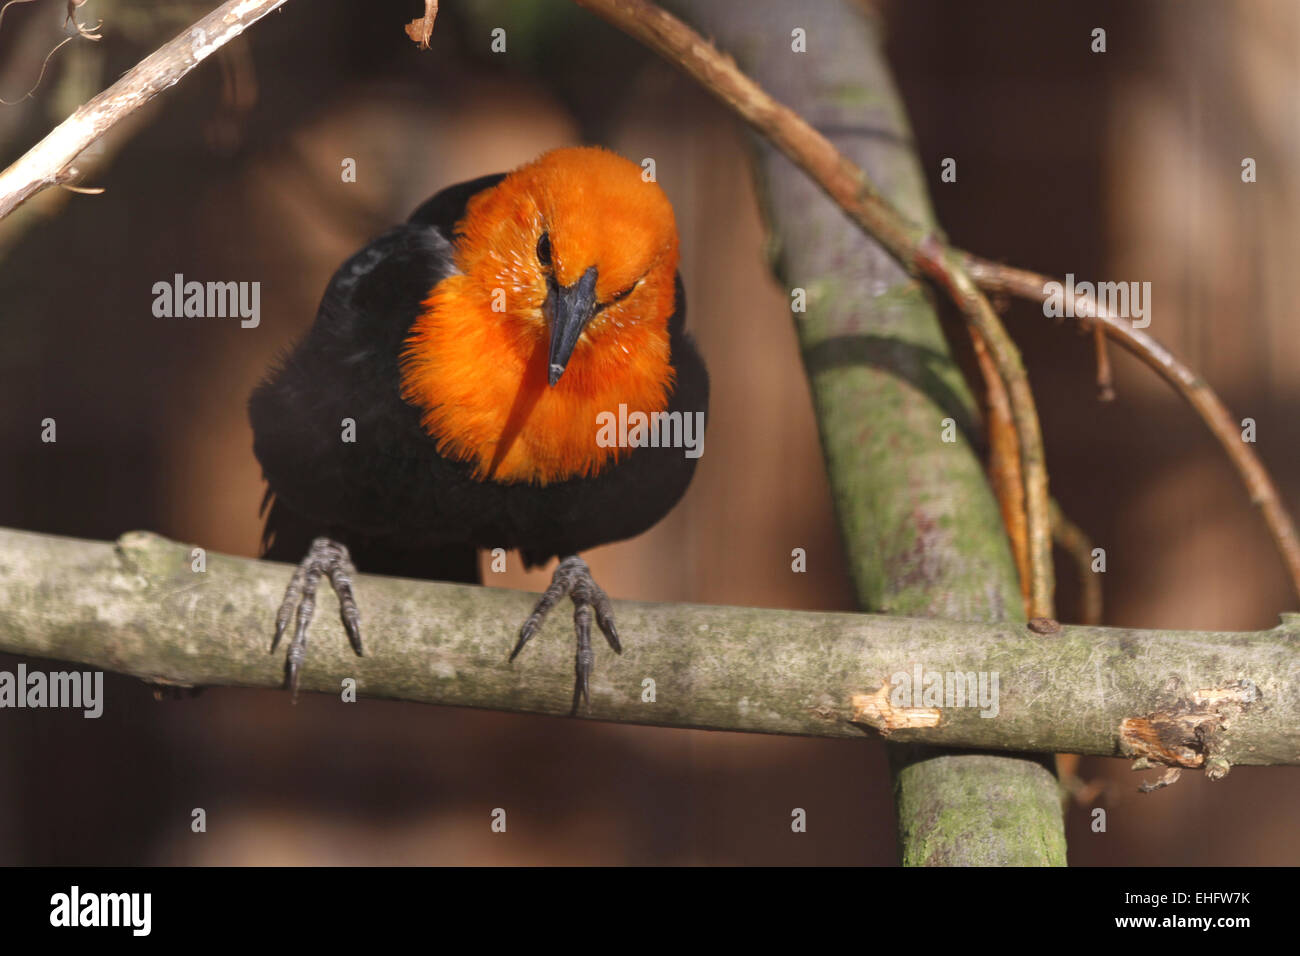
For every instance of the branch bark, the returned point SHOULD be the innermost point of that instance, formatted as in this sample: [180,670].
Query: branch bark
[136,607]
[50,161]
[919,523]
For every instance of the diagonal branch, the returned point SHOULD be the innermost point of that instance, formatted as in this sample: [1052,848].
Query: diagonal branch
[50,162]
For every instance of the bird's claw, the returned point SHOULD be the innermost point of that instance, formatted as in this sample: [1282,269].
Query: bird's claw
[329,558]
[573,577]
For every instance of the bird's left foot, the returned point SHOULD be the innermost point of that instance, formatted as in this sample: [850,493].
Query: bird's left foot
[573,577]
[328,559]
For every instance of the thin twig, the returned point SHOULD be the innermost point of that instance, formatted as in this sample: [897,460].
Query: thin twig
[1075,542]
[995,277]
[5,8]
[81,28]
[39,76]
[1004,463]
[50,161]
[1105,382]
[920,252]
[940,264]
[421,29]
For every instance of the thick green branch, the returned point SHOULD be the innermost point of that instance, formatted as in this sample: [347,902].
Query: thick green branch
[919,521]
[139,608]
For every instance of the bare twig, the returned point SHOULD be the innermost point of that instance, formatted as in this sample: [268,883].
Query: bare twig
[10,3]
[1074,541]
[995,277]
[421,29]
[39,76]
[50,161]
[1004,464]
[81,28]
[939,263]
[920,252]
[1105,382]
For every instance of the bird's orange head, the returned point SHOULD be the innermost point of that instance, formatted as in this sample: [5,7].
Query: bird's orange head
[560,312]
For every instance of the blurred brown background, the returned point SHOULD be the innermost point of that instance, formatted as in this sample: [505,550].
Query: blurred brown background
[1123,165]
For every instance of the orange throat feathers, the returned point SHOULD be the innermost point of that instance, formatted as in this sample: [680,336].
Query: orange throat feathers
[476,360]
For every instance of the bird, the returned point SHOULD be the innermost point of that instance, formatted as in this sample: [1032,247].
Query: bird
[447,397]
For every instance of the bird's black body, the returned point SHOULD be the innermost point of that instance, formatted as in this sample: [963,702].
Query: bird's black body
[400,506]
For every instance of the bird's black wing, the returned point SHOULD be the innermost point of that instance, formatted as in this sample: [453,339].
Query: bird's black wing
[447,208]
[347,368]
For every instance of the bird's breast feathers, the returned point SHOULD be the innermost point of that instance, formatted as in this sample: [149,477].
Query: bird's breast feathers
[480,380]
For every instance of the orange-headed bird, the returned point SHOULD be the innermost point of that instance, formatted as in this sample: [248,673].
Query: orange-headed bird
[449,395]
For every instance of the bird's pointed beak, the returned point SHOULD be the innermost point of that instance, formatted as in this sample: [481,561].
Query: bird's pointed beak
[569,309]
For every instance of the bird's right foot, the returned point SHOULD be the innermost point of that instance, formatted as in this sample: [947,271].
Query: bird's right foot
[326,557]
[573,577]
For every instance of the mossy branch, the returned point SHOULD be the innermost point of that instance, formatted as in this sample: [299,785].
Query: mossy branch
[139,608]
[920,526]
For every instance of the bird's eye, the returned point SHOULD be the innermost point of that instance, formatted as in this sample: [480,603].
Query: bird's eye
[618,297]
[544,250]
